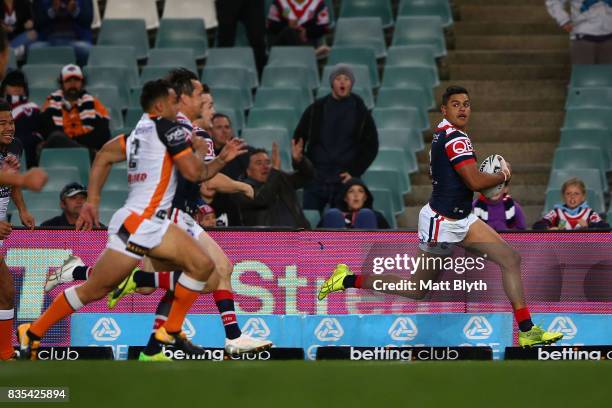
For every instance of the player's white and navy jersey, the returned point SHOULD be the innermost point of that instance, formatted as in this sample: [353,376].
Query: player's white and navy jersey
[451,148]
[150,152]
[13,149]
[187,192]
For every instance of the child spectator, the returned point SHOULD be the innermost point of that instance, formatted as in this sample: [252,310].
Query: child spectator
[501,212]
[205,216]
[574,213]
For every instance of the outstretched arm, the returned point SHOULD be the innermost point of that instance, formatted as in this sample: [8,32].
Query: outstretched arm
[195,170]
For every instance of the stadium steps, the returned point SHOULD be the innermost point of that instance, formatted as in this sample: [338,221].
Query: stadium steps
[514,60]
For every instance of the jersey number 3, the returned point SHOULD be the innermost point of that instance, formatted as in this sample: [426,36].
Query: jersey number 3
[134,146]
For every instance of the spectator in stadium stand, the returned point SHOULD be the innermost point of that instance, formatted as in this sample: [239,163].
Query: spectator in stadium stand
[354,209]
[72,117]
[206,216]
[227,211]
[221,133]
[64,23]
[299,22]
[17,20]
[251,13]
[276,202]
[14,89]
[340,137]
[72,198]
[501,211]
[590,26]
[574,212]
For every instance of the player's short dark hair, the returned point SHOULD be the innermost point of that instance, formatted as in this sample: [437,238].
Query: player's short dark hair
[205,88]
[221,115]
[257,151]
[4,105]
[14,77]
[153,90]
[453,90]
[180,80]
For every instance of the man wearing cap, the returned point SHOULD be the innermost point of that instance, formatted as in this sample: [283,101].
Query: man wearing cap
[72,117]
[340,139]
[72,198]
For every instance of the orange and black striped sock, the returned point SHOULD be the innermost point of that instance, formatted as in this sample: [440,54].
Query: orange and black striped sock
[186,292]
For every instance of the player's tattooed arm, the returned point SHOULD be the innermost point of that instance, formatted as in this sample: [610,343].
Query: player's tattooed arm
[223,184]
[477,181]
[193,169]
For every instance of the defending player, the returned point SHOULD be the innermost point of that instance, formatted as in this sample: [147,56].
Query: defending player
[194,102]
[447,220]
[10,152]
[154,151]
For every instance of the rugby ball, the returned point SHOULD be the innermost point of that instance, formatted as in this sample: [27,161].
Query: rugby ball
[492,165]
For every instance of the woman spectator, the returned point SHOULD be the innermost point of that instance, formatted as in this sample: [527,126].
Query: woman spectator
[354,209]
[574,212]
[298,22]
[501,211]
[17,21]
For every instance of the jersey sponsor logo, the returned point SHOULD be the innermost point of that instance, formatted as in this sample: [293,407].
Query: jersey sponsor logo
[137,178]
[565,325]
[478,328]
[176,136]
[403,329]
[329,329]
[460,146]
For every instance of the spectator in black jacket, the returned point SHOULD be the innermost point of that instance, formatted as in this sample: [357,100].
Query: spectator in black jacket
[221,133]
[16,19]
[72,198]
[340,137]
[354,209]
[26,114]
[275,203]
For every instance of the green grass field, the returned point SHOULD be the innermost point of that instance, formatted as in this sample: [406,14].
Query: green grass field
[309,384]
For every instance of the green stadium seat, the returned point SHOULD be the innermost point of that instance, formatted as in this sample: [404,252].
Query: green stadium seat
[396,161]
[368,8]
[281,98]
[593,138]
[114,77]
[12,62]
[39,95]
[144,9]
[609,215]
[296,56]
[413,56]
[151,73]
[588,98]
[594,198]
[420,31]
[134,97]
[51,55]
[361,32]
[228,98]
[364,92]
[588,118]
[440,8]
[399,118]
[132,116]
[60,176]
[591,177]
[411,78]
[230,77]
[126,32]
[387,179]
[113,199]
[404,98]
[361,73]
[116,120]
[116,181]
[40,215]
[183,33]
[313,217]
[66,157]
[581,158]
[241,57]
[108,95]
[172,58]
[263,138]
[106,215]
[115,56]
[42,76]
[591,76]
[410,139]
[355,56]
[41,200]
[383,202]
[273,118]
[190,9]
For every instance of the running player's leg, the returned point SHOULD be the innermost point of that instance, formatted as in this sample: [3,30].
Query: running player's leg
[481,238]
[7,311]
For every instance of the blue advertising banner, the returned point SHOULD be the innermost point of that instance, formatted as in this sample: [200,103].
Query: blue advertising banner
[578,329]
[121,330]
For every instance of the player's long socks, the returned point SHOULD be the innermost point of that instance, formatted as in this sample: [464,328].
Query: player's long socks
[161,315]
[523,318]
[353,281]
[6,333]
[63,305]
[162,280]
[186,292]
[225,303]
[81,273]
